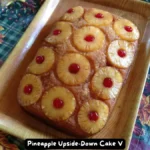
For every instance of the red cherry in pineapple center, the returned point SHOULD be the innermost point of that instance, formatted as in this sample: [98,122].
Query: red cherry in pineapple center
[70,11]
[93,116]
[121,53]
[58,103]
[99,15]
[128,28]
[89,38]
[28,89]
[56,32]
[40,59]
[108,82]
[74,68]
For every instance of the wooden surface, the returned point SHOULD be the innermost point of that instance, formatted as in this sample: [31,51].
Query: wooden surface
[120,124]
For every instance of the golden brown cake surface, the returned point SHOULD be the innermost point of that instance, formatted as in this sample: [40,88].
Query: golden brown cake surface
[76,76]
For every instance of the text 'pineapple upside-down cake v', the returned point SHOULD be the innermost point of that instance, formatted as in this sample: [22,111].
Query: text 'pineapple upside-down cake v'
[77,73]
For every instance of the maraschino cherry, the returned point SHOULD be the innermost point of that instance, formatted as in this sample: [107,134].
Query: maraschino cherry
[108,82]
[89,38]
[93,116]
[58,103]
[128,28]
[28,89]
[121,53]
[70,10]
[74,68]
[40,59]
[99,15]
[56,32]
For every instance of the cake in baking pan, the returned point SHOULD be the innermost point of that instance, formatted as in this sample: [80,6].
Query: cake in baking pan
[78,71]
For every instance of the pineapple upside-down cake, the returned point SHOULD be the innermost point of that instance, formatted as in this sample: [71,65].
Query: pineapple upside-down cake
[77,73]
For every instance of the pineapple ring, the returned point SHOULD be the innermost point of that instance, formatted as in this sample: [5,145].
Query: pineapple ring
[73,78]
[98,17]
[73,14]
[115,84]
[46,65]
[33,97]
[96,38]
[63,113]
[119,27]
[61,32]
[93,126]
[113,57]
